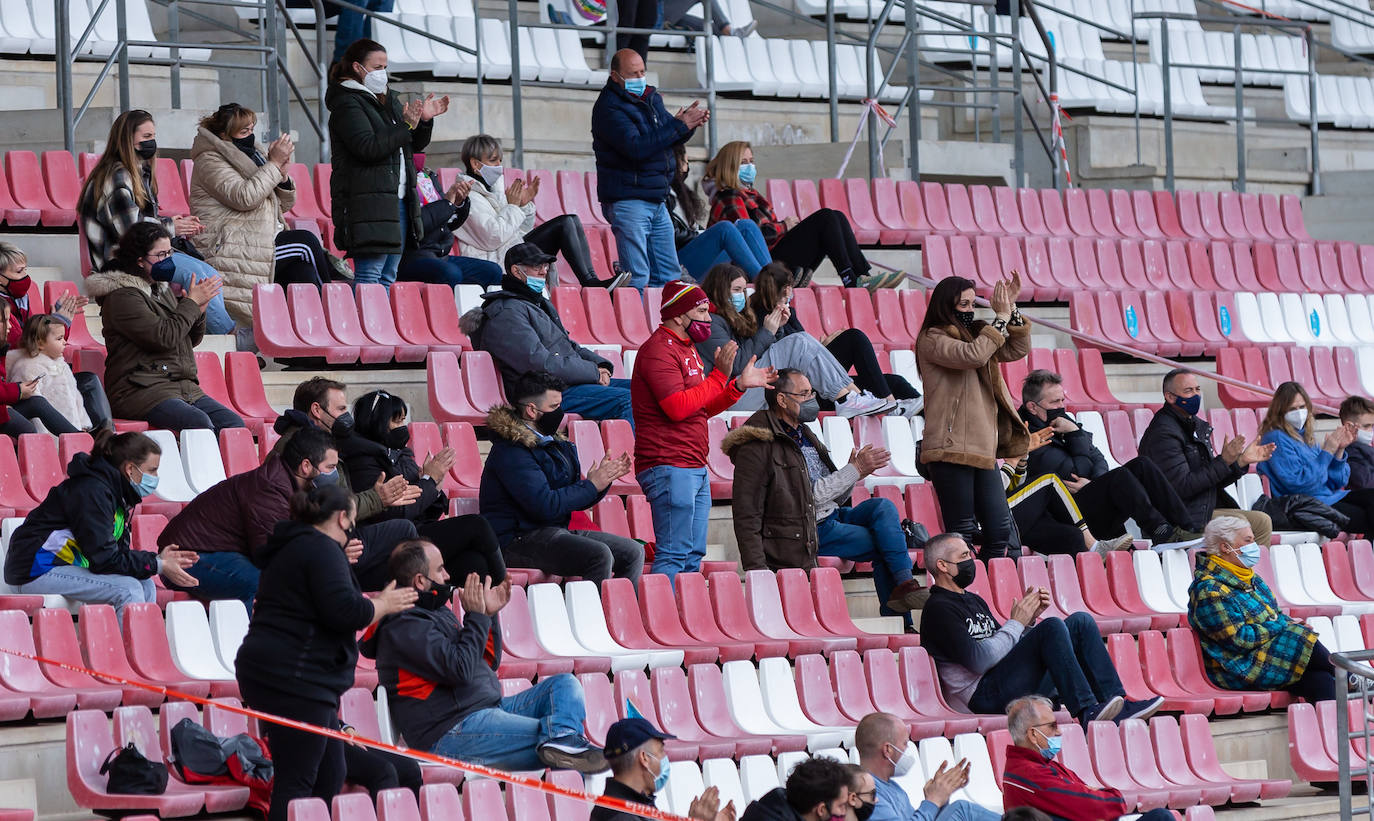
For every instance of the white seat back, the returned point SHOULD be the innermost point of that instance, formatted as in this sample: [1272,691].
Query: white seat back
[192,646]
[228,626]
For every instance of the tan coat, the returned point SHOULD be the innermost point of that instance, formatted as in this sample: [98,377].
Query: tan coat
[241,204]
[970,418]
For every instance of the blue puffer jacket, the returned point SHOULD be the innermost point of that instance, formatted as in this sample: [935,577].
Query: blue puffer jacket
[633,138]
[529,482]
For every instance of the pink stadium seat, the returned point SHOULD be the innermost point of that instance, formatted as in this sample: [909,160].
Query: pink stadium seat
[25,178]
[805,197]
[1189,265]
[1276,267]
[598,303]
[378,322]
[145,641]
[16,214]
[830,300]
[760,603]
[1133,268]
[1122,212]
[1303,374]
[307,203]
[1117,326]
[1308,265]
[1120,573]
[707,688]
[22,676]
[1209,212]
[780,196]
[1352,271]
[922,689]
[818,697]
[1142,207]
[411,318]
[960,207]
[341,318]
[1109,763]
[1053,208]
[908,199]
[1253,218]
[935,261]
[60,176]
[439,802]
[1032,212]
[1121,436]
[442,312]
[272,328]
[630,315]
[1162,326]
[663,625]
[38,463]
[1291,207]
[237,448]
[573,316]
[1307,750]
[70,444]
[1100,211]
[1340,573]
[547,203]
[627,627]
[1200,750]
[1138,666]
[1272,217]
[1109,264]
[885,209]
[885,686]
[1189,217]
[1232,218]
[827,591]
[850,686]
[210,373]
[467,467]
[171,190]
[1185,659]
[866,229]
[103,647]
[245,385]
[988,261]
[1005,585]
[517,639]
[1038,277]
[357,806]
[448,401]
[1008,211]
[799,609]
[672,700]
[984,209]
[632,687]
[89,742]
[703,618]
[1246,267]
[1347,371]
[1078,213]
[1195,319]
[399,805]
[572,192]
[12,492]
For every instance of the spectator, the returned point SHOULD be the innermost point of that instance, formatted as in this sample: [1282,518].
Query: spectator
[21,400]
[379,449]
[739,242]
[850,347]
[372,135]
[791,503]
[1034,779]
[521,330]
[817,789]
[673,398]
[967,400]
[15,286]
[440,676]
[863,793]
[1248,643]
[1358,412]
[503,218]
[121,192]
[431,259]
[633,138]
[1298,466]
[1136,490]
[321,403]
[640,14]
[883,742]
[532,483]
[826,234]
[150,335]
[639,770]
[983,666]
[76,542]
[1179,442]
[309,611]
[677,16]
[1046,514]
[231,522]
[240,196]
[353,25]
[762,339]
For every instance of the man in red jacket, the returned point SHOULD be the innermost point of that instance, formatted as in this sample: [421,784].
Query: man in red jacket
[672,399]
[1033,778]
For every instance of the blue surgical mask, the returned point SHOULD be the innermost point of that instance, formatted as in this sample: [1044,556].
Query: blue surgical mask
[1190,405]
[1250,554]
[748,173]
[636,85]
[737,300]
[661,780]
[536,284]
[163,270]
[1053,744]
[330,478]
[146,485]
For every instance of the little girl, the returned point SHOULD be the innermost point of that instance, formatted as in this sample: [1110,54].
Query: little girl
[40,357]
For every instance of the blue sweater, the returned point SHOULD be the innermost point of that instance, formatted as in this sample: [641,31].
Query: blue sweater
[1297,467]
[633,139]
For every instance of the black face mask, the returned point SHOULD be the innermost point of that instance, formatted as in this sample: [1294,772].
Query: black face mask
[1052,414]
[864,810]
[965,318]
[146,149]
[968,571]
[342,428]
[436,597]
[397,438]
[246,144]
[549,421]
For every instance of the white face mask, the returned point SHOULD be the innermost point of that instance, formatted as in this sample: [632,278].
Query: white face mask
[491,174]
[375,81]
[903,765]
[1364,437]
[1297,418]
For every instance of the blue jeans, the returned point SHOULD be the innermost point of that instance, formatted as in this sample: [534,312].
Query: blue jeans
[87,587]
[1057,654]
[644,239]
[680,503]
[450,270]
[202,414]
[595,401]
[223,575]
[353,25]
[217,320]
[870,532]
[508,737]
[740,242]
[379,268]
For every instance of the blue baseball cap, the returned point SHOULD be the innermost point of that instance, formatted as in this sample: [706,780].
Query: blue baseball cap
[628,733]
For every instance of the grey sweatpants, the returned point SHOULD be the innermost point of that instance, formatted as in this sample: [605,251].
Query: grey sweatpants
[805,353]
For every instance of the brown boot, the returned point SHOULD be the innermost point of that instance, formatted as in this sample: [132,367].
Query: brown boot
[908,596]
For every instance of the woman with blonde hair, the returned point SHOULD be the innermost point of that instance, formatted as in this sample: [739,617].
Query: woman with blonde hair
[802,244]
[121,191]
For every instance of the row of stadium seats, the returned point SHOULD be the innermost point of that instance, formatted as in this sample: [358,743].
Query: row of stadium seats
[1328,374]
[1314,742]
[1342,101]
[30,27]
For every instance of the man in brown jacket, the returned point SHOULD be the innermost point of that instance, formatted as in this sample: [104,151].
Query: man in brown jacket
[790,501]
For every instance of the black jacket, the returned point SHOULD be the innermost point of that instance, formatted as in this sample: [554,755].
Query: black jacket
[614,789]
[84,521]
[372,146]
[438,221]
[1361,459]
[366,461]
[435,670]
[772,806]
[633,139]
[302,639]
[1066,454]
[1181,447]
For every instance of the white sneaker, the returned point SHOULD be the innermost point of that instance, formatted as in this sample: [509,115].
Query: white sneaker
[907,408]
[1123,542]
[863,403]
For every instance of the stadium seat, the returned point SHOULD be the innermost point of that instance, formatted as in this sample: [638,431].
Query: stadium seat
[154,739]
[379,324]
[238,450]
[890,694]
[588,621]
[149,651]
[1185,659]
[228,626]
[244,380]
[448,401]
[921,686]
[89,742]
[192,644]
[22,677]
[54,637]
[25,178]
[765,610]
[663,625]
[441,309]
[437,801]
[341,317]
[173,484]
[704,617]
[554,631]
[1143,680]
[622,617]
[38,464]
[273,331]
[1125,587]
[202,461]
[750,710]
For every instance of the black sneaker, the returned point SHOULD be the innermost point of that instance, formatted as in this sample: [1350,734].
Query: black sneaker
[1104,711]
[572,752]
[1140,709]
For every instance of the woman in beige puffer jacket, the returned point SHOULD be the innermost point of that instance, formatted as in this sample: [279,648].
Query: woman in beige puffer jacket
[240,196]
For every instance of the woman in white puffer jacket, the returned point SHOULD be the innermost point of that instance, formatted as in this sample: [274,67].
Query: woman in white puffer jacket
[502,218]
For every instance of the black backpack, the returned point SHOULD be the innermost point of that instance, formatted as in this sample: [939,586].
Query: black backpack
[132,774]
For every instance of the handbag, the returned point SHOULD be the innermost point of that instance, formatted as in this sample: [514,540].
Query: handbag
[130,773]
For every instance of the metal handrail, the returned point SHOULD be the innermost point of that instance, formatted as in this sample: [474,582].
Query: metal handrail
[1351,667]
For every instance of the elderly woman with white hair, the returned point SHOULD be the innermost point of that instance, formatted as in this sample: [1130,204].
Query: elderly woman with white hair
[1247,642]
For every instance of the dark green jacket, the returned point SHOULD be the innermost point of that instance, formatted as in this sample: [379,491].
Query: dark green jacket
[365,136]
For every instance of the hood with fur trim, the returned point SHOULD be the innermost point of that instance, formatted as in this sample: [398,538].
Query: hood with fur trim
[745,433]
[103,283]
[504,422]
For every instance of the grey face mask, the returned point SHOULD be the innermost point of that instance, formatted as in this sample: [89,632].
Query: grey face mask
[808,411]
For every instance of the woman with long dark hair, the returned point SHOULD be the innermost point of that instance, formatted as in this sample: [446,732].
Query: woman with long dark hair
[739,241]
[971,420]
[301,649]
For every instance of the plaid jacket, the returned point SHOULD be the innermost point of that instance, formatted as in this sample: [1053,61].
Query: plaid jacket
[1247,643]
[746,203]
[115,211]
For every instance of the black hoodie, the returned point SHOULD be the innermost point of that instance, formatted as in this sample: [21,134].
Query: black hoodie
[302,639]
[85,521]
[772,806]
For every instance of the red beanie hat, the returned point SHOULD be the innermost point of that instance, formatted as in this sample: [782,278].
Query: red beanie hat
[680,297]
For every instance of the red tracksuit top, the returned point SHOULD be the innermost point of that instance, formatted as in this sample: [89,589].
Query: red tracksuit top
[672,400]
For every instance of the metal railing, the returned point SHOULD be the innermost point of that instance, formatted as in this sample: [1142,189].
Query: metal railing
[1354,667]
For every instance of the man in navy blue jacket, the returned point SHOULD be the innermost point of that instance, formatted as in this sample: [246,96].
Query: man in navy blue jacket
[532,482]
[633,138]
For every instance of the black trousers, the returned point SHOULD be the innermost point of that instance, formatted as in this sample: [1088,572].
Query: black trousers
[972,497]
[853,349]
[1318,682]
[35,407]
[376,770]
[468,545]
[304,764]
[300,258]
[564,235]
[639,14]
[826,234]
[93,397]
[1045,519]
[379,539]
[1359,506]
[1136,490]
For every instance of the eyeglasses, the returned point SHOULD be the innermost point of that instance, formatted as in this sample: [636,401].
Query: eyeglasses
[537,270]
[873,793]
[811,394]
[158,256]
